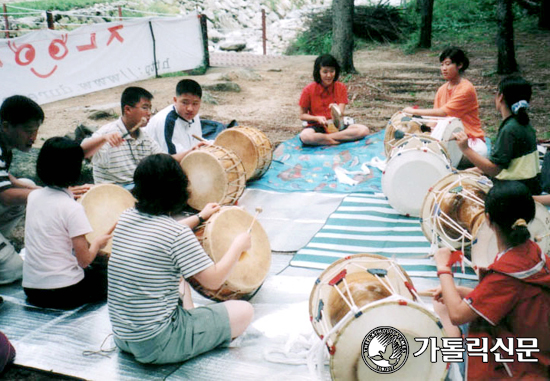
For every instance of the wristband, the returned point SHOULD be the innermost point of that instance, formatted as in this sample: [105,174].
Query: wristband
[201,220]
[444,272]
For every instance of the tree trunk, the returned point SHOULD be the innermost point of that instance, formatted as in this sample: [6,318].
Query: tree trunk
[544,16]
[342,34]
[426,9]
[505,38]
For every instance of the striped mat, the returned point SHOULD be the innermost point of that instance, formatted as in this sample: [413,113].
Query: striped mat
[366,223]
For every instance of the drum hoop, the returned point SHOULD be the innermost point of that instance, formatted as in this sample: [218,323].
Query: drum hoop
[343,264]
[441,147]
[233,189]
[383,303]
[263,148]
[432,224]
[390,300]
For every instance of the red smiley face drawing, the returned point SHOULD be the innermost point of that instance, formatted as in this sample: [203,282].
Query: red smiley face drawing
[26,53]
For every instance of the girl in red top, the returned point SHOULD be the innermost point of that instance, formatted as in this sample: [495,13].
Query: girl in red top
[512,299]
[315,102]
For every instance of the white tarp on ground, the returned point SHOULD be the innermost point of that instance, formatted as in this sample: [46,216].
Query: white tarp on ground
[50,65]
[290,219]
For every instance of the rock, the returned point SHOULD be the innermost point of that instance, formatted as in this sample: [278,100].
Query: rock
[246,74]
[24,164]
[102,114]
[82,132]
[105,111]
[223,86]
[207,97]
[231,46]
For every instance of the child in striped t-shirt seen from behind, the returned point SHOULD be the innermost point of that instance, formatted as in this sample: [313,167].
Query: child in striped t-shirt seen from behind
[151,252]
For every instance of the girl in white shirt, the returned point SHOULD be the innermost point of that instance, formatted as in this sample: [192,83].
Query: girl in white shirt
[57,271]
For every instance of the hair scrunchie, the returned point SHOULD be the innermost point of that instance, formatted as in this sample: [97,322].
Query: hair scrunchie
[519,105]
[519,222]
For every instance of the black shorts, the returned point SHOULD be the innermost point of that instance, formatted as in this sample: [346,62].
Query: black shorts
[317,128]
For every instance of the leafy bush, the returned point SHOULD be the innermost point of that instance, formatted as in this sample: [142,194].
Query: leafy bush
[57,5]
[458,22]
[380,23]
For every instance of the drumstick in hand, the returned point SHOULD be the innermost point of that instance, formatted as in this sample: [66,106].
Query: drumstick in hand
[141,123]
[201,139]
[258,211]
[112,229]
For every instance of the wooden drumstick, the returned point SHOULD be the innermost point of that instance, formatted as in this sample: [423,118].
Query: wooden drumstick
[112,229]
[258,211]
[426,293]
[142,122]
[201,139]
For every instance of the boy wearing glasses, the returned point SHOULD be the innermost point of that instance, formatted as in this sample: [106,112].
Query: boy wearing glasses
[115,163]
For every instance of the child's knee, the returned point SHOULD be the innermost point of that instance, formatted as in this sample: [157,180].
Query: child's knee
[306,136]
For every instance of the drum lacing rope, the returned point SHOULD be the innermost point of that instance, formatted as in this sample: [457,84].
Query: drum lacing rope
[437,215]
[318,353]
[388,285]
[351,303]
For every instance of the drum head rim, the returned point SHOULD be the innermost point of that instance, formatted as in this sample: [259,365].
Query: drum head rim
[257,231]
[440,164]
[124,198]
[388,302]
[238,168]
[341,264]
[428,204]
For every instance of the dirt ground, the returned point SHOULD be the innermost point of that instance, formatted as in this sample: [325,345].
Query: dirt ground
[388,80]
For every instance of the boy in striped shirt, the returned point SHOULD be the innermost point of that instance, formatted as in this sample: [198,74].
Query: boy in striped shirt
[151,252]
[20,118]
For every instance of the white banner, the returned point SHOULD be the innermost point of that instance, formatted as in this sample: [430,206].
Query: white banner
[49,65]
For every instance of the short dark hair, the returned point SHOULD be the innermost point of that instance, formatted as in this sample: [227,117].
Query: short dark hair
[132,95]
[161,186]
[507,202]
[59,162]
[325,60]
[19,109]
[188,86]
[457,56]
[515,88]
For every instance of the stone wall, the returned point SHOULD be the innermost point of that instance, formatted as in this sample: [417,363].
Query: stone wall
[232,24]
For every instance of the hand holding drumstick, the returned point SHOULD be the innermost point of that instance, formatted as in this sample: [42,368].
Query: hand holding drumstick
[142,122]
[258,211]
[101,241]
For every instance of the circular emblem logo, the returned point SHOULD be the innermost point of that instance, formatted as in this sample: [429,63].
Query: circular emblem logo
[385,350]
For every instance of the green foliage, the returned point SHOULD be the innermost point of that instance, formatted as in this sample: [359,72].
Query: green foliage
[347,78]
[308,43]
[374,23]
[462,23]
[67,5]
[57,5]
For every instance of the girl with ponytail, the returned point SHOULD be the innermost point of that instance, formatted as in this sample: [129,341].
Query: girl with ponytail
[514,155]
[512,299]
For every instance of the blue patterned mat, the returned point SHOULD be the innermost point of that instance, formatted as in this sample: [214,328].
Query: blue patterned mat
[302,169]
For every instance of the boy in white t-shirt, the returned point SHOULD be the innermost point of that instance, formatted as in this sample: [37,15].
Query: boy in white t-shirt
[56,271]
